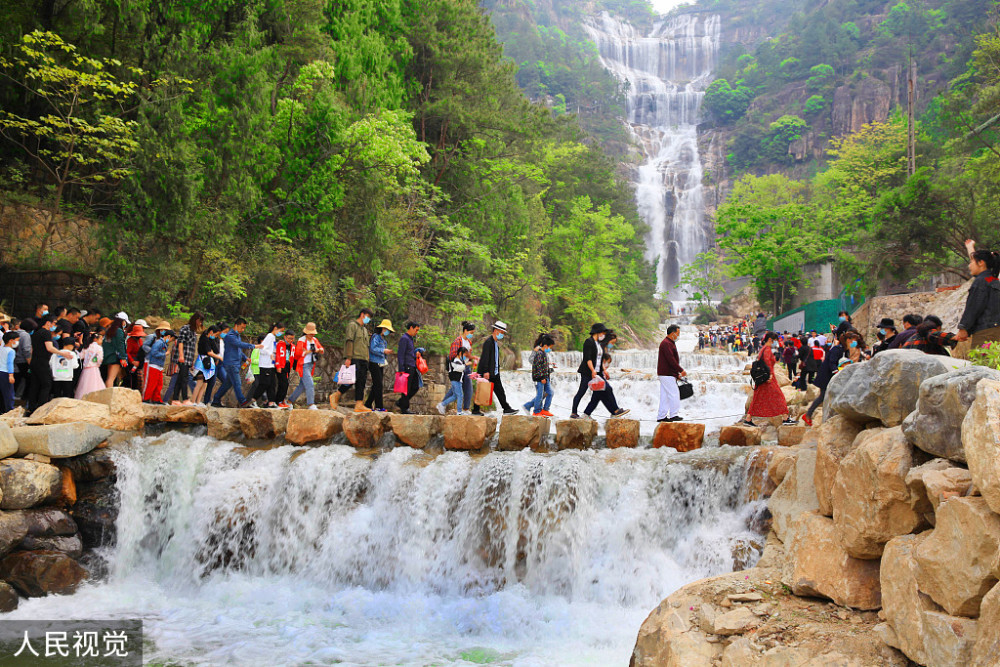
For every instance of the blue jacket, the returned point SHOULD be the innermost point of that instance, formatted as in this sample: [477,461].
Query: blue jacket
[376,349]
[407,353]
[157,355]
[233,354]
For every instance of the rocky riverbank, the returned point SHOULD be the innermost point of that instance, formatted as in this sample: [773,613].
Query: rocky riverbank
[885,538]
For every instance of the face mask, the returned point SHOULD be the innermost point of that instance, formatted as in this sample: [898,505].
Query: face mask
[44,313]
[611,346]
[882,331]
[469,335]
[854,343]
[499,336]
[367,319]
[842,318]
[15,345]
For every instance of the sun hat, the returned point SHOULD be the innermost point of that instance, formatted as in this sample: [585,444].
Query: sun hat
[597,328]
[500,326]
[136,330]
[162,326]
[104,322]
[310,328]
[386,324]
[886,323]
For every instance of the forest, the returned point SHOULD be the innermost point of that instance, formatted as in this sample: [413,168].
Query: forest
[295,160]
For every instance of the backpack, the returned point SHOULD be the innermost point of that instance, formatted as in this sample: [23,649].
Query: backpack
[759,373]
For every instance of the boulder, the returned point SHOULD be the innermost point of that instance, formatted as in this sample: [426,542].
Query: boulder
[871,501]
[8,443]
[981,440]
[305,426]
[259,423]
[671,636]
[795,495]
[757,482]
[682,436]
[789,436]
[621,433]
[174,414]
[415,430]
[13,529]
[27,483]
[125,406]
[69,411]
[934,482]
[936,425]
[781,462]
[960,561]
[47,522]
[468,432]
[365,429]
[575,433]
[884,389]
[89,467]
[38,573]
[72,545]
[735,622]
[834,441]
[14,417]
[8,597]
[820,567]
[60,440]
[95,512]
[987,646]
[223,423]
[740,436]
[520,432]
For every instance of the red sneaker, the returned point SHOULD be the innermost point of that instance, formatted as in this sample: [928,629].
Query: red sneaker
[544,413]
[807,419]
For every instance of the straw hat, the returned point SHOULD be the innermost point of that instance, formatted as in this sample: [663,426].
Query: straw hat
[500,326]
[310,328]
[162,326]
[386,324]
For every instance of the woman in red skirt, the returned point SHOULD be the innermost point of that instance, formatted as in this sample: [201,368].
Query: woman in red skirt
[768,401]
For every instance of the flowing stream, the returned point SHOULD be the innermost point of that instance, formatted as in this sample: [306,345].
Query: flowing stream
[321,555]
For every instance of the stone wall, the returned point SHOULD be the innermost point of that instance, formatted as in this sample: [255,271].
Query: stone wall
[948,305]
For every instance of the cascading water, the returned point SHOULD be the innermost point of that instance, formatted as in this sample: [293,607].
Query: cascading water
[666,74]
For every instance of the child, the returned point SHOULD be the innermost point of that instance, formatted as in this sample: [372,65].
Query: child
[541,375]
[93,357]
[456,369]
[11,339]
[282,366]
[62,368]
[153,380]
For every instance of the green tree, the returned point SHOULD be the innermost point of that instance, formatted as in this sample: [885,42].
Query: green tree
[780,135]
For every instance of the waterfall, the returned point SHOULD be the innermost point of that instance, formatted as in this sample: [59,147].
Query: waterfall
[665,74]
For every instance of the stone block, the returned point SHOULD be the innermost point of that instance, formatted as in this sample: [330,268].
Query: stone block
[306,426]
[575,433]
[39,573]
[415,430]
[27,483]
[365,429]
[682,436]
[223,423]
[59,440]
[522,432]
[621,433]
[125,406]
[8,443]
[467,432]
[835,439]
[981,441]
[740,436]
[795,495]
[789,436]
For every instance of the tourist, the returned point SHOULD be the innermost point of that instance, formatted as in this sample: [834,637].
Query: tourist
[63,326]
[135,356]
[11,340]
[456,371]
[668,368]
[186,351]
[790,359]
[40,375]
[463,341]
[541,375]
[760,325]
[590,367]
[284,351]
[844,323]
[378,347]
[489,367]
[155,360]
[22,360]
[92,358]
[307,348]
[827,369]
[205,364]
[62,367]
[41,310]
[267,381]
[87,322]
[406,355]
[930,339]
[115,355]
[767,400]
[980,321]
[356,350]
[232,361]
[887,333]
[910,323]
[606,395]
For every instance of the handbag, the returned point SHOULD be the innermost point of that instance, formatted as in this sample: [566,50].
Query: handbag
[482,395]
[685,388]
[402,383]
[596,384]
[421,365]
[347,375]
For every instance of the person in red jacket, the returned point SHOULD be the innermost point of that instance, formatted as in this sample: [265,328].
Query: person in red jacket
[283,356]
[668,367]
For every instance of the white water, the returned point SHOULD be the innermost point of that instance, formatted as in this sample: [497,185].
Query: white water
[666,74]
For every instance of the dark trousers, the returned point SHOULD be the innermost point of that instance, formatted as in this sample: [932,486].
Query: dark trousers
[360,378]
[793,367]
[6,391]
[818,402]
[412,387]
[180,382]
[607,397]
[467,389]
[20,379]
[374,400]
[281,384]
[581,392]
[39,388]
[264,384]
[63,389]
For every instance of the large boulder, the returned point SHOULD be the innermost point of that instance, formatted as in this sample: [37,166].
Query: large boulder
[70,410]
[38,573]
[223,423]
[621,433]
[415,431]
[934,482]
[835,439]
[365,429]
[981,440]
[795,495]
[47,522]
[468,432]
[13,529]
[871,501]
[92,466]
[740,436]
[127,411]
[790,435]
[884,389]
[260,423]
[59,441]
[920,628]
[174,414]
[8,443]
[305,426]
[958,564]
[671,636]
[28,483]
[70,545]
[936,425]
[682,436]
[821,567]
[987,647]
[521,432]
[575,433]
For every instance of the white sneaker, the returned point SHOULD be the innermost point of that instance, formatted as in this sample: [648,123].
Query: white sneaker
[440,408]
[313,407]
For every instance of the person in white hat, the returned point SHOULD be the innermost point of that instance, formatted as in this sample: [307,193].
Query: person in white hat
[489,367]
[124,317]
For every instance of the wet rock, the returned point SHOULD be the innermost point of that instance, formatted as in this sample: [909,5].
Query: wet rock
[936,425]
[469,433]
[174,414]
[575,433]
[621,433]
[757,482]
[262,423]
[987,646]
[682,436]
[820,566]
[365,429]
[958,563]
[38,573]
[47,522]
[223,423]
[27,483]
[789,436]
[835,439]
[884,389]
[8,443]
[60,440]
[125,406]
[89,467]
[871,501]
[795,495]
[415,430]
[95,512]
[305,426]
[981,440]
[934,482]
[8,597]
[740,436]
[519,432]
[13,530]
[72,545]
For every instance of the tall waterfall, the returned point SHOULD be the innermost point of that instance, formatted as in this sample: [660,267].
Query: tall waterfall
[666,74]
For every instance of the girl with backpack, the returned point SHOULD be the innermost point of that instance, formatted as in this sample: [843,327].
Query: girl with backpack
[767,400]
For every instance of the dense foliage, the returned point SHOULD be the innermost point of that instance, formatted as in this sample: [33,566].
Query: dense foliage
[295,159]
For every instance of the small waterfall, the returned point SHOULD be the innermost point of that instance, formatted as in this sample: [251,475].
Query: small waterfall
[666,74]
[646,360]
